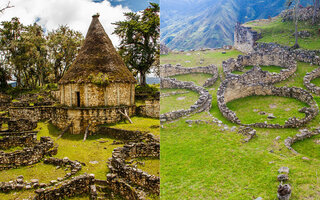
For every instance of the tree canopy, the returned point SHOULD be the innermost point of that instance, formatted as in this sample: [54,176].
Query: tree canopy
[139,35]
[32,58]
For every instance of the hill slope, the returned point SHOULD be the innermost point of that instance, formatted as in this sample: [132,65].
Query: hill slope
[190,24]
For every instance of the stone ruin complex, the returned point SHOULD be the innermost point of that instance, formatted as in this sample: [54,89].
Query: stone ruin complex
[245,38]
[97,89]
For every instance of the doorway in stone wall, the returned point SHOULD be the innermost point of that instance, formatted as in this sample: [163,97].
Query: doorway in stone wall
[78,98]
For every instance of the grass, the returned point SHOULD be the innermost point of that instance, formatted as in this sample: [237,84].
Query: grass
[12,149]
[271,68]
[140,124]
[172,102]
[202,162]
[280,32]
[316,81]
[151,165]
[209,57]
[244,109]
[198,78]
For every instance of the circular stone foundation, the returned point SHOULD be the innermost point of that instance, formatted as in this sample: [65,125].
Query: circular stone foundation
[202,104]
[236,88]
[309,77]
[279,58]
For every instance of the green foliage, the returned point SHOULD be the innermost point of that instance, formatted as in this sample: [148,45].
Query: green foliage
[63,46]
[139,35]
[31,57]
[99,79]
[146,91]
[40,98]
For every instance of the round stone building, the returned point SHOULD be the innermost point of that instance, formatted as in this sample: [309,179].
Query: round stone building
[98,77]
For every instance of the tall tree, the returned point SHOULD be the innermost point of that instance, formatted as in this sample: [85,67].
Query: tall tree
[296,7]
[64,45]
[139,35]
[10,34]
[316,4]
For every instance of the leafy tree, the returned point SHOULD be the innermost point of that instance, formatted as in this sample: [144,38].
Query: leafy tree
[10,34]
[139,35]
[64,45]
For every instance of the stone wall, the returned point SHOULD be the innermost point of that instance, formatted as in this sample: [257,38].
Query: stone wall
[79,117]
[277,57]
[303,14]
[245,38]
[118,165]
[121,187]
[237,87]
[91,95]
[150,109]
[9,141]
[202,104]
[27,156]
[169,70]
[21,125]
[126,135]
[304,134]
[309,77]
[76,186]
[5,101]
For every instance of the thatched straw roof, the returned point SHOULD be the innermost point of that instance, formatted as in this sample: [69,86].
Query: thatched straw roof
[97,59]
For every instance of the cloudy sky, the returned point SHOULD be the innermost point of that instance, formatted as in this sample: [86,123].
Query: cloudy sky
[75,13]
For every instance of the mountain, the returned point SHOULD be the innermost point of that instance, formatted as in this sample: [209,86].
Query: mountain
[193,24]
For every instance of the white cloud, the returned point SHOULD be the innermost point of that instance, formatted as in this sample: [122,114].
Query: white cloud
[75,13]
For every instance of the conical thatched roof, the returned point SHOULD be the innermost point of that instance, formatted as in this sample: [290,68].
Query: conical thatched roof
[97,59]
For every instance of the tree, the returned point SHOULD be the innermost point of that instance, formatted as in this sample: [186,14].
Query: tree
[316,4]
[296,7]
[139,35]
[6,7]
[10,34]
[64,45]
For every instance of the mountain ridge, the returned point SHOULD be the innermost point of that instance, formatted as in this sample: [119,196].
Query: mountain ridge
[210,23]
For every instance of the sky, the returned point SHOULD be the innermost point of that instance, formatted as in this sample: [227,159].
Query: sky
[77,14]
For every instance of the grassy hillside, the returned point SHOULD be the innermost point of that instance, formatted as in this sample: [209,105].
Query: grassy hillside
[204,162]
[282,33]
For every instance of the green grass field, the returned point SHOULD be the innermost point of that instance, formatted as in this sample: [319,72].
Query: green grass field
[178,102]
[203,162]
[244,108]
[282,33]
